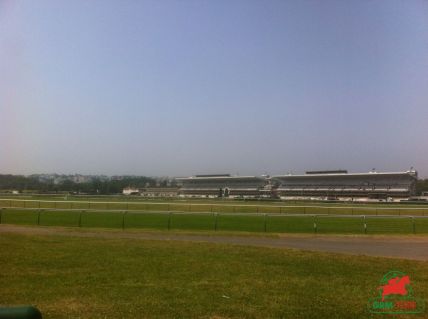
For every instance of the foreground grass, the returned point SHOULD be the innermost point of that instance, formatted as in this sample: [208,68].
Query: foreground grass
[68,277]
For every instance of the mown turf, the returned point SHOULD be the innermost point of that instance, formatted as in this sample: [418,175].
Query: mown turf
[218,221]
[69,277]
[219,206]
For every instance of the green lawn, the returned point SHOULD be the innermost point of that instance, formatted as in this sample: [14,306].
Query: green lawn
[218,206]
[70,277]
[283,223]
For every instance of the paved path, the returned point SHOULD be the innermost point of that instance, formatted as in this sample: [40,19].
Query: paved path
[408,247]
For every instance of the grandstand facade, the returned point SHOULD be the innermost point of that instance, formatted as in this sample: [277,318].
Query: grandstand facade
[222,185]
[316,184]
[341,184]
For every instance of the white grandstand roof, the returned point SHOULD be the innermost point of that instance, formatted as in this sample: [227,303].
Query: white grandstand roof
[216,177]
[346,174]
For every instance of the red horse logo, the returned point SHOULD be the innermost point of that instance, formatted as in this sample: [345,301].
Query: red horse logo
[395,286]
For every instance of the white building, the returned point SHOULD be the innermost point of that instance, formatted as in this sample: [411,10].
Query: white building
[130,191]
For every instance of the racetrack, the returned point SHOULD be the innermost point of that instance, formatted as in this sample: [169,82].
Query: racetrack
[407,247]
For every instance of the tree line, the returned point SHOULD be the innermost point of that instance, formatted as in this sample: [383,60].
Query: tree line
[94,186]
[422,186]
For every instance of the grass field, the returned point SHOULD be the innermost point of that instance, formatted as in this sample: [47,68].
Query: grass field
[275,223]
[232,201]
[69,277]
[218,206]
[215,215]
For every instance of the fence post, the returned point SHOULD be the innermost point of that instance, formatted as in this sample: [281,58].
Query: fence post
[365,224]
[169,220]
[38,217]
[80,218]
[315,224]
[413,224]
[123,220]
[265,222]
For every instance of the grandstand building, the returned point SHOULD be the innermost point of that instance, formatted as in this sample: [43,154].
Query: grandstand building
[223,185]
[318,185]
[341,184]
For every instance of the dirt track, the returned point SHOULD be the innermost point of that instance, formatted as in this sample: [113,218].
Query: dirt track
[408,247]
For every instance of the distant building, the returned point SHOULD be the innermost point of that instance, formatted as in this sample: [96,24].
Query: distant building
[221,185]
[319,185]
[340,184]
[78,179]
[160,191]
[130,191]
[151,191]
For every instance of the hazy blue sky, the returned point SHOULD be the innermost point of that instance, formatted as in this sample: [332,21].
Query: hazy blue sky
[184,87]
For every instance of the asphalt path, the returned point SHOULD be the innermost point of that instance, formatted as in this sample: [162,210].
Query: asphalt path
[405,247]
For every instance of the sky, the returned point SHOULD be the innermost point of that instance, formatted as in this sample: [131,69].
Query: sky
[177,88]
